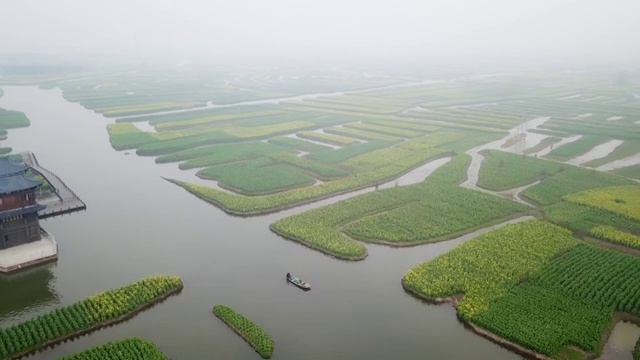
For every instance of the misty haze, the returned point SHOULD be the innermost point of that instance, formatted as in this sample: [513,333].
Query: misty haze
[320,180]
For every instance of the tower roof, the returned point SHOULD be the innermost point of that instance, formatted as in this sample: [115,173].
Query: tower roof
[17,182]
[10,168]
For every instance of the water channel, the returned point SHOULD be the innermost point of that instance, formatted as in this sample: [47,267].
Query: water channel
[137,224]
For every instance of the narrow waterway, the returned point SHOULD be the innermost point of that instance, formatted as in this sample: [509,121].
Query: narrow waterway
[622,342]
[598,152]
[137,224]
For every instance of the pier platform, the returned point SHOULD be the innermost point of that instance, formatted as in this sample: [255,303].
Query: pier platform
[30,254]
[64,200]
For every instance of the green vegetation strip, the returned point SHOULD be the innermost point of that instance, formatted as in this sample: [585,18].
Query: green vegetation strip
[545,143]
[128,349]
[576,148]
[621,200]
[220,154]
[86,315]
[257,177]
[297,144]
[582,219]
[249,331]
[398,216]
[571,300]
[572,179]
[502,171]
[344,153]
[13,119]
[483,268]
[611,234]
[124,136]
[360,134]
[327,138]
[631,171]
[387,130]
[368,169]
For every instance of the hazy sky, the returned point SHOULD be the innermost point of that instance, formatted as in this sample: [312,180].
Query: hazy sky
[412,27]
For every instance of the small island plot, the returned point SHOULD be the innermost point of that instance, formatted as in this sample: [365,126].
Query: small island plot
[128,349]
[97,311]
[248,330]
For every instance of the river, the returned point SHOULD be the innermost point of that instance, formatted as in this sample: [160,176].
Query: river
[137,224]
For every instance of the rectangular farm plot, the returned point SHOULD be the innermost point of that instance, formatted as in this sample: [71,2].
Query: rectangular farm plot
[219,154]
[257,177]
[360,134]
[570,300]
[297,144]
[260,131]
[631,171]
[502,171]
[387,130]
[347,152]
[125,136]
[621,200]
[439,211]
[484,268]
[571,180]
[327,138]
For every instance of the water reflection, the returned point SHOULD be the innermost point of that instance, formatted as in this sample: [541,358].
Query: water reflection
[26,292]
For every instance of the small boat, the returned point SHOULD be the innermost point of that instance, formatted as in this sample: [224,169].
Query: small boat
[298,282]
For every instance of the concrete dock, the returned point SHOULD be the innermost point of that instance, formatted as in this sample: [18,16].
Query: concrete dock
[30,254]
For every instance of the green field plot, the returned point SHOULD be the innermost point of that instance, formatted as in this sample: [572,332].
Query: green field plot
[128,349]
[502,171]
[571,300]
[167,146]
[611,234]
[327,138]
[387,130]
[360,134]
[583,219]
[545,143]
[219,154]
[146,108]
[576,148]
[626,149]
[436,211]
[631,171]
[202,118]
[398,216]
[316,169]
[485,267]
[367,169]
[12,119]
[261,131]
[247,329]
[5,150]
[297,144]
[620,200]
[125,136]
[405,125]
[257,177]
[347,152]
[571,180]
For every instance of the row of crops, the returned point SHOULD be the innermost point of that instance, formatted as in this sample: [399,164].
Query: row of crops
[128,349]
[86,315]
[621,200]
[247,329]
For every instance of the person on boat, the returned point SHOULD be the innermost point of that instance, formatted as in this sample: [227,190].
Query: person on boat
[288,276]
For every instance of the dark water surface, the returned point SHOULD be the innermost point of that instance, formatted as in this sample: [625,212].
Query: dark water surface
[137,225]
